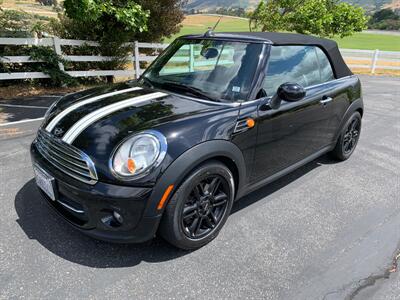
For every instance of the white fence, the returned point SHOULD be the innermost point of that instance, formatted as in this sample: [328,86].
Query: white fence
[372,60]
[369,60]
[57,44]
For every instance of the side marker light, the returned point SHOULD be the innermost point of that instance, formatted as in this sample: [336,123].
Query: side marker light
[250,122]
[165,197]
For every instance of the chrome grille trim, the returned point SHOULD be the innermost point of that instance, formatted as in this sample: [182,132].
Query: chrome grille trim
[66,158]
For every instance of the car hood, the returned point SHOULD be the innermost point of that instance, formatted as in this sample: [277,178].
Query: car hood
[97,120]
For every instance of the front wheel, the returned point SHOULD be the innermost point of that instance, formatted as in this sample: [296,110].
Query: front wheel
[348,138]
[200,207]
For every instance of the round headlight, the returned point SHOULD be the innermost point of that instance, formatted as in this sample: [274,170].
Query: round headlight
[139,154]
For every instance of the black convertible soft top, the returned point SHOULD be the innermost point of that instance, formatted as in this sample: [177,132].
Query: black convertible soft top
[276,38]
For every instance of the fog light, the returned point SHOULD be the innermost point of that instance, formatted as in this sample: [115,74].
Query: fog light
[118,217]
[112,219]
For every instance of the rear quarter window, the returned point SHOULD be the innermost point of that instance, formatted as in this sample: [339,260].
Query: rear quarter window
[325,66]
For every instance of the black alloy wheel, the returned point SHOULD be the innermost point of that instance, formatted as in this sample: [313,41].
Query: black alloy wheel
[199,207]
[348,138]
[205,206]
[351,135]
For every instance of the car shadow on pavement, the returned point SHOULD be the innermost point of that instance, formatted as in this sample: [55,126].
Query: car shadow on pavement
[41,223]
[280,183]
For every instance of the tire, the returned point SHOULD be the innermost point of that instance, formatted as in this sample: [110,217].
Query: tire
[348,139]
[194,199]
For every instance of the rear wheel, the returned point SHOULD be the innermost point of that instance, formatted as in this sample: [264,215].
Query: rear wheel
[199,208]
[348,138]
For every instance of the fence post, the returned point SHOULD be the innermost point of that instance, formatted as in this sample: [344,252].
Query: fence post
[57,48]
[137,61]
[374,61]
[191,58]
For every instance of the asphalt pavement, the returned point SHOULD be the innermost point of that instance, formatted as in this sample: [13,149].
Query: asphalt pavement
[327,231]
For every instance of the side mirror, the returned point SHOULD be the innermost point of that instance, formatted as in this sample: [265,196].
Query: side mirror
[290,92]
[209,53]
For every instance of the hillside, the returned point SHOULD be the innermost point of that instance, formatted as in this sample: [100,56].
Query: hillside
[206,5]
[394,5]
[211,4]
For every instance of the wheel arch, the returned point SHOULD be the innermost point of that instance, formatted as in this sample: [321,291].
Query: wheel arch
[361,111]
[223,151]
[355,106]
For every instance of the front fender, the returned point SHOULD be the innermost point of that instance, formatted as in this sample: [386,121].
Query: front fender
[189,160]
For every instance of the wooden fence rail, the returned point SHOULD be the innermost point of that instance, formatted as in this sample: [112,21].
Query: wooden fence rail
[356,59]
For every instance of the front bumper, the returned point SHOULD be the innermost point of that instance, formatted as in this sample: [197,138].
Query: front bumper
[90,208]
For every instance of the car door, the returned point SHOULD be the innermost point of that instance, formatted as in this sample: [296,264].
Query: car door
[296,130]
[336,94]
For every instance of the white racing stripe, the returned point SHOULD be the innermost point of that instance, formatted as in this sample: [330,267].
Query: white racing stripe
[75,106]
[89,119]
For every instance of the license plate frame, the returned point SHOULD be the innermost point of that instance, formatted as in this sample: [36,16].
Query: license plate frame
[45,182]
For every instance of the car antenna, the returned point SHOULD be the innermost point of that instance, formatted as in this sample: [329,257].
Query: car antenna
[210,31]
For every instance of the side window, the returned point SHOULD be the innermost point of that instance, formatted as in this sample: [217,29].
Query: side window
[325,66]
[297,64]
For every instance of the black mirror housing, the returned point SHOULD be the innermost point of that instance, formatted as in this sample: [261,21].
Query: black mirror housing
[210,53]
[290,92]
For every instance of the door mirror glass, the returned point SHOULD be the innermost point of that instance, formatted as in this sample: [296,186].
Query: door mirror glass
[291,92]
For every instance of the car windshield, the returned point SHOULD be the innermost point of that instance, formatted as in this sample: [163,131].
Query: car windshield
[210,69]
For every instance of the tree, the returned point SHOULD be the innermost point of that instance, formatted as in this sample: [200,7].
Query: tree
[112,23]
[165,19]
[319,17]
[108,17]
[120,21]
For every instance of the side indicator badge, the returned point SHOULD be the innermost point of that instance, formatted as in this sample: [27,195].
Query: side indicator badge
[244,124]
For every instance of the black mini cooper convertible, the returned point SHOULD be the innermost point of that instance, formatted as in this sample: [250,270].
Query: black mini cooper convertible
[213,118]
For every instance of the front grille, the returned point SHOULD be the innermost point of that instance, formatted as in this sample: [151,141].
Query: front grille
[66,158]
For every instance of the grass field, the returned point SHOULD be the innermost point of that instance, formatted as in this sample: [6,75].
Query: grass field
[370,41]
[367,41]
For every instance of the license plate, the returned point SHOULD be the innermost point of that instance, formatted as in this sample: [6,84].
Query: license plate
[45,182]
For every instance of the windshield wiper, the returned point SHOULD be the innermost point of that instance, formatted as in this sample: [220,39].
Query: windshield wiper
[190,89]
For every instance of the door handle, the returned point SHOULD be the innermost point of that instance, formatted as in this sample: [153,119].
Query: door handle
[325,100]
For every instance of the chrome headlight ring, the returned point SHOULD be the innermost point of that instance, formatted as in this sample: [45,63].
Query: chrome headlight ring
[138,155]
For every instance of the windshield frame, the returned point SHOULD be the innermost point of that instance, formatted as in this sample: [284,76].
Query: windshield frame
[167,54]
